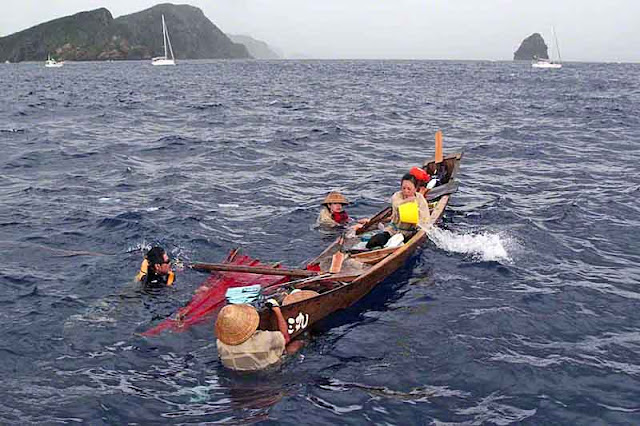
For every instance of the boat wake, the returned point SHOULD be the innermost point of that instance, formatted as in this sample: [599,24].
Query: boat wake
[483,247]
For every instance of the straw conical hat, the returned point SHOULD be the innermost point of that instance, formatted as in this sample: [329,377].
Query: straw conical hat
[236,323]
[335,197]
[298,296]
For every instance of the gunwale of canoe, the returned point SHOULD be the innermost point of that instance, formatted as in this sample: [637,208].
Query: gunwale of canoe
[301,315]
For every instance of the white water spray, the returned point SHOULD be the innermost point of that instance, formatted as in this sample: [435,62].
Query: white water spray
[484,247]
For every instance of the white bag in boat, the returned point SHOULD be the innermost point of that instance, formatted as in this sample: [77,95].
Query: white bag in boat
[395,241]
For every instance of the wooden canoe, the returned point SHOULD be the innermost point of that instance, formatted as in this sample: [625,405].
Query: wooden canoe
[364,270]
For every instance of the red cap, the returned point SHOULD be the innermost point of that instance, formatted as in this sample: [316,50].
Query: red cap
[419,173]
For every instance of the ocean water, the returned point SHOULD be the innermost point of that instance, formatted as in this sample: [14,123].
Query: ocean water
[522,308]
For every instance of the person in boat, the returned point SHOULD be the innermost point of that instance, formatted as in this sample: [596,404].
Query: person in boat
[332,212]
[437,174]
[422,178]
[155,270]
[242,347]
[400,223]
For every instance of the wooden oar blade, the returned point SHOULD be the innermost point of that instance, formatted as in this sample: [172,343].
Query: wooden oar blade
[336,262]
[439,154]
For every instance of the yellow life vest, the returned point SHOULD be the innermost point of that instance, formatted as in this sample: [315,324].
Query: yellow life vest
[144,268]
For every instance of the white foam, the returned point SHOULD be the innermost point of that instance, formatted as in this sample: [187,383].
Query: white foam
[108,200]
[484,247]
[141,246]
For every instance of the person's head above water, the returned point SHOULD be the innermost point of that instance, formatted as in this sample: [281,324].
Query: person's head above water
[408,185]
[335,202]
[158,261]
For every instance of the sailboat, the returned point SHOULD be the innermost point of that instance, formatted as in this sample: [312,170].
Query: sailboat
[164,60]
[52,63]
[547,63]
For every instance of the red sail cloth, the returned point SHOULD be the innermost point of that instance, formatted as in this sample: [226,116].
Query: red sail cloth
[209,298]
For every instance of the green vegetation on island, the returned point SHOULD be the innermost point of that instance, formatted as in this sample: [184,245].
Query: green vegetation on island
[95,35]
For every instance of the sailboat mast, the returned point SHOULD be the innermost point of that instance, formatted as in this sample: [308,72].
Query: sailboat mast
[164,37]
[169,43]
[555,37]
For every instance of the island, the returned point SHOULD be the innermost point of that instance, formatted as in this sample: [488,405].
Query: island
[258,49]
[532,47]
[95,35]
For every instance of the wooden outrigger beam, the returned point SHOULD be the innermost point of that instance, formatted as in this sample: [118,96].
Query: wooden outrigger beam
[261,270]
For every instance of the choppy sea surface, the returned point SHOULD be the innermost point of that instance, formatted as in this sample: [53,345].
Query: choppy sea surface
[522,308]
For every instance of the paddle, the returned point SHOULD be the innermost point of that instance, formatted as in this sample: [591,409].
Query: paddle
[336,262]
[380,216]
[439,155]
[260,270]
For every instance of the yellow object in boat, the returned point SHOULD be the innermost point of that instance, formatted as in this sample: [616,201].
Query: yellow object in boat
[409,212]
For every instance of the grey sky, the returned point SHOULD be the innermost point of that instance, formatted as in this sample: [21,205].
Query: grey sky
[588,30]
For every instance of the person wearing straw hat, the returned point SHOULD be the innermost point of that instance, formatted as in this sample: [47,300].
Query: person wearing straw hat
[332,212]
[242,347]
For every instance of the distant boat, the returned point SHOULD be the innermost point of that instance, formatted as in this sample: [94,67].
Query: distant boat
[164,60]
[548,63]
[52,63]
[545,63]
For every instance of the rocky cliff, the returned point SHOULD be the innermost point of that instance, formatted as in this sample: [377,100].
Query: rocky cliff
[258,49]
[531,47]
[95,35]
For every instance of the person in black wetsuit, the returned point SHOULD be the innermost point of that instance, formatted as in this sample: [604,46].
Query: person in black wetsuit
[155,270]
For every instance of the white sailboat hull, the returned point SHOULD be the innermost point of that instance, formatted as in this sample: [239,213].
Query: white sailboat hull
[162,61]
[53,64]
[546,65]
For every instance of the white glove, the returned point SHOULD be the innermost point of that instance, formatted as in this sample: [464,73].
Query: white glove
[272,303]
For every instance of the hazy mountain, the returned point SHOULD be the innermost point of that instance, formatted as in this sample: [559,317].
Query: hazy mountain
[95,35]
[258,49]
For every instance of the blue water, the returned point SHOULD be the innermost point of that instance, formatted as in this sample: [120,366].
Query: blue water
[521,309]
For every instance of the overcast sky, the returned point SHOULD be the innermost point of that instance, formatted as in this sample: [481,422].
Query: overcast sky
[587,30]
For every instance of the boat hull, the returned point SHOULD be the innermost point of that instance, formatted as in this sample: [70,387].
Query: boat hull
[302,315]
[546,65]
[162,61]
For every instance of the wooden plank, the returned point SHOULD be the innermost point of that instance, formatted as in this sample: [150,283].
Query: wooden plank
[336,262]
[373,255]
[261,270]
[439,146]
[380,216]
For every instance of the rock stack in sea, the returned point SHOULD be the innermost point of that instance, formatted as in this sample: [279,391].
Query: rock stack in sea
[532,47]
